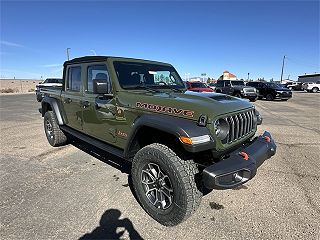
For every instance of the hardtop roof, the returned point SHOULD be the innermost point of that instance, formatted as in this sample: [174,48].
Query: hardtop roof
[104,58]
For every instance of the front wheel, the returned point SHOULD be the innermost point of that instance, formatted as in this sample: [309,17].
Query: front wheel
[253,99]
[315,89]
[269,97]
[165,185]
[238,95]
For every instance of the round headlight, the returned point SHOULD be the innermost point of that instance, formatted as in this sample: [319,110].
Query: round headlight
[221,128]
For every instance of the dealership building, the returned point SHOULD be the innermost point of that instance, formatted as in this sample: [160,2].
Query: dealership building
[309,78]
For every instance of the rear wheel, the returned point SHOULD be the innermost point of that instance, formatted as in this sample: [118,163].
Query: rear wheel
[269,97]
[53,132]
[238,95]
[165,185]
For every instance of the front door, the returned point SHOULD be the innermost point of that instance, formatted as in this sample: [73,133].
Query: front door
[99,111]
[72,97]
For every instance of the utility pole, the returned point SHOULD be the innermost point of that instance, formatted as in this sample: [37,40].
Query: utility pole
[282,68]
[68,57]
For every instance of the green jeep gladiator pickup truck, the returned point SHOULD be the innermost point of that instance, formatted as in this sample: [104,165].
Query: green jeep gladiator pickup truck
[181,144]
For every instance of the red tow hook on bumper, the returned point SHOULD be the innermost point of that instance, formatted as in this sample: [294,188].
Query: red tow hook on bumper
[244,155]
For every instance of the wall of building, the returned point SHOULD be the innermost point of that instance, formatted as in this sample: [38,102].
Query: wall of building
[309,78]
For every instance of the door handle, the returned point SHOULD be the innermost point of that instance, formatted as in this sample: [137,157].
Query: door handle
[67,100]
[85,104]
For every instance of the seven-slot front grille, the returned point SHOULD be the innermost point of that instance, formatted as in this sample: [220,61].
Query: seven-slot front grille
[248,90]
[240,125]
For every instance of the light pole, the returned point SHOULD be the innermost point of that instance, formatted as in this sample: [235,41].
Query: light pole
[248,76]
[282,68]
[68,57]
[187,78]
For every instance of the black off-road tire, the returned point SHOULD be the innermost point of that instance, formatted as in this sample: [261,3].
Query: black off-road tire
[253,99]
[269,97]
[53,132]
[238,95]
[186,195]
[315,89]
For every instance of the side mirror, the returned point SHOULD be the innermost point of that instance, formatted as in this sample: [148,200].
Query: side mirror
[101,86]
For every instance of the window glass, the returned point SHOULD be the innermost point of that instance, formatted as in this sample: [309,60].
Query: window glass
[227,83]
[74,79]
[237,83]
[97,72]
[133,75]
[198,85]
[219,84]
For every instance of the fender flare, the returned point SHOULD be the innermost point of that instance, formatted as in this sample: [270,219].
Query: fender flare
[55,108]
[172,125]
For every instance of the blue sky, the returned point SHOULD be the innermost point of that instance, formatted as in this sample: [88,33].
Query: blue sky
[196,37]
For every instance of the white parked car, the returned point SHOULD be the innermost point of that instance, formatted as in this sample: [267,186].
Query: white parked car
[312,87]
[49,82]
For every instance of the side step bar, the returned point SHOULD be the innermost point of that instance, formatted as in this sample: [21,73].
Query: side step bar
[95,142]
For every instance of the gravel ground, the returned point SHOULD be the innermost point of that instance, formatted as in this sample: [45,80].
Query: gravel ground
[78,191]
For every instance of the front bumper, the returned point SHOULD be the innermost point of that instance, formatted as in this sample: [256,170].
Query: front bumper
[283,95]
[39,95]
[241,165]
[249,95]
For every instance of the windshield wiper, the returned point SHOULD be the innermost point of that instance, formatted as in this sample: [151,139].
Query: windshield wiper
[143,87]
[173,88]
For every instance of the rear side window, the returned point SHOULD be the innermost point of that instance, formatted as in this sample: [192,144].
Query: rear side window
[252,84]
[227,83]
[74,79]
[219,84]
[97,72]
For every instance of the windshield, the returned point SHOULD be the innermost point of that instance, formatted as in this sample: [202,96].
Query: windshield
[134,75]
[237,83]
[273,85]
[53,80]
[198,85]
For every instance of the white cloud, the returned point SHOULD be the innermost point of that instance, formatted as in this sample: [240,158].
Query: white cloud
[10,44]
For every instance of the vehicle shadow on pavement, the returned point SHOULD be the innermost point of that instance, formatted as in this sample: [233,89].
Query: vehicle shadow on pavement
[112,160]
[109,223]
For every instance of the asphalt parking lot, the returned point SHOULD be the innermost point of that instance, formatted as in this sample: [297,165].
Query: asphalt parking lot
[78,191]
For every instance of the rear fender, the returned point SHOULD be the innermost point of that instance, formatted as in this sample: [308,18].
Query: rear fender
[53,103]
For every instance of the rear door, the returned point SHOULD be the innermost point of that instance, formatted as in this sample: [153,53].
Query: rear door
[219,86]
[99,111]
[227,89]
[72,96]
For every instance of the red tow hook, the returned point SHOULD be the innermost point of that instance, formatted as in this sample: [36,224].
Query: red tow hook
[267,138]
[244,155]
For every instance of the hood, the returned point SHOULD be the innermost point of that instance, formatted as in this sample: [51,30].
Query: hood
[282,89]
[239,87]
[189,105]
[202,89]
